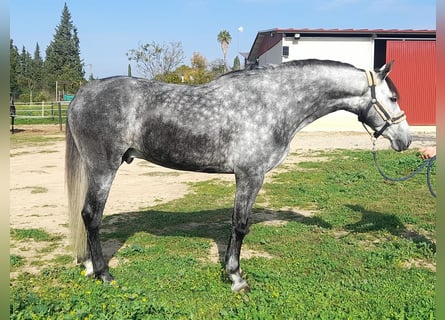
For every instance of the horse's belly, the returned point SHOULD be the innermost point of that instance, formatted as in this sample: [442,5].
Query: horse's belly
[190,162]
[186,153]
[184,146]
[208,168]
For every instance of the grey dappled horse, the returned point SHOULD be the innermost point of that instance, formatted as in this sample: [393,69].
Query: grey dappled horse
[240,123]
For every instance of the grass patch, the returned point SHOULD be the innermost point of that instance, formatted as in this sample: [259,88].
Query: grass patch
[16,261]
[347,261]
[34,189]
[48,249]
[162,174]
[26,135]
[22,140]
[63,259]
[34,234]
[39,190]
[29,121]
[50,112]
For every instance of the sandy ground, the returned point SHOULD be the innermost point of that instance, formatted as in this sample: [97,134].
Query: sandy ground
[38,199]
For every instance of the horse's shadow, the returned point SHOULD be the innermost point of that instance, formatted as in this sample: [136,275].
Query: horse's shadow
[216,225]
[374,221]
[209,224]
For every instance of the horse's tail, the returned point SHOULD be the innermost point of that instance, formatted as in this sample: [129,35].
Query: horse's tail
[76,184]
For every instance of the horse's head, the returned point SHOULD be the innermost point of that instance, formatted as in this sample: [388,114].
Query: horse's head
[383,113]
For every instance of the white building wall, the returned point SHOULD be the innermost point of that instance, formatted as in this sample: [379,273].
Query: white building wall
[356,51]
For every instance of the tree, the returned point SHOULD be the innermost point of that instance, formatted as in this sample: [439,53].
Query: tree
[63,63]
[14,65]
[155,60]
[200,74]
[198,61]
[25,64]
[25,76]
[169,77]
[224,39]
[196,74]
[129,70]
[217,68]
[236,64]
[37,68]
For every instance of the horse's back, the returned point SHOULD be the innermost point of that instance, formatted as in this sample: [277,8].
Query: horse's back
[105,95]
[171,125]
[212,128]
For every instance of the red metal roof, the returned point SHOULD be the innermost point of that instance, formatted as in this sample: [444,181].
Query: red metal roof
[370,31]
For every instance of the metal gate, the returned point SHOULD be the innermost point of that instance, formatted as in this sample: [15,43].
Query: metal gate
[414,73]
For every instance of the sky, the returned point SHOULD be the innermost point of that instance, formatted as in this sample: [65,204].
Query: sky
[108,29]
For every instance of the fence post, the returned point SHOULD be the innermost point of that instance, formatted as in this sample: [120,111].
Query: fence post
[60,115]
[43,109]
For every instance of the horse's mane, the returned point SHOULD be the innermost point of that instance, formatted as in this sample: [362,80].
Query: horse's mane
[255,69]
[316,62]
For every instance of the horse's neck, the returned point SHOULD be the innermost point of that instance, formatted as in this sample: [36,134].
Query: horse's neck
[324,92]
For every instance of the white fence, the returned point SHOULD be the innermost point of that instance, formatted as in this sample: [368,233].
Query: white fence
[41,110]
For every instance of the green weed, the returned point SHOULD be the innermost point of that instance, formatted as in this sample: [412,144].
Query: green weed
[21,140]
[35,234]
[15,261]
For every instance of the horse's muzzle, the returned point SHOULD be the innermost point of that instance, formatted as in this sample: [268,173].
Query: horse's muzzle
[401,144]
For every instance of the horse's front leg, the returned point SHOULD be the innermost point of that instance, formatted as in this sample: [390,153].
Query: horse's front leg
[247,188]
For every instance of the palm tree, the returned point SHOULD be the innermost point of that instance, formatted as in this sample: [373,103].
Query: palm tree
[224,39]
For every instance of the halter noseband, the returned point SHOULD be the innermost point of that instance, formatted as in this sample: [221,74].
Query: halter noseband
[378,106]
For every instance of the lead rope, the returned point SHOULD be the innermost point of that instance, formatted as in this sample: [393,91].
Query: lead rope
[426,163]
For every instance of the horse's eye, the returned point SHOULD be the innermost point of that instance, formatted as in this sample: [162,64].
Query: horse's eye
[394,99]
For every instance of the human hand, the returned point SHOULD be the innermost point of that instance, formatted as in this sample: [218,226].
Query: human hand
[427,152]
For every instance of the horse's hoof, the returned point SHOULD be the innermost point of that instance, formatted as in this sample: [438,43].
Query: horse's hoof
[241,287]
[106,276]
[245,290]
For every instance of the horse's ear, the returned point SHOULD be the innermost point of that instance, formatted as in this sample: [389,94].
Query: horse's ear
[385,70]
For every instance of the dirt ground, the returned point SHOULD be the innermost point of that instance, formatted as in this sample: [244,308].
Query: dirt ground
[38,199]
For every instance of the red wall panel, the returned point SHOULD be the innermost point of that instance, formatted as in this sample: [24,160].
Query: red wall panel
[414,73]
[269,42]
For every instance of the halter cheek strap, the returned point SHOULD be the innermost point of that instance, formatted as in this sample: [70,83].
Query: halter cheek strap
[379,108]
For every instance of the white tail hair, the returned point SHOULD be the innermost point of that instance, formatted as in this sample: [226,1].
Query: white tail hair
[76,183]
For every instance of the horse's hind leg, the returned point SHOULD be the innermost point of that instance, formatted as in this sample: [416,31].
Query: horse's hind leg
[96,197]
[247,188]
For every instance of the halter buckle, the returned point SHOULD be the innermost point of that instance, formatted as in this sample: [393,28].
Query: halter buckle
[379,108]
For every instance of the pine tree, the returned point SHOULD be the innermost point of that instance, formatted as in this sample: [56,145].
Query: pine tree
[24,75]
[63,63]
[236,64]
[37,68]
[14,65]
[25,64]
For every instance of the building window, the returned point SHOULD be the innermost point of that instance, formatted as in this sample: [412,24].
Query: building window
[285,51]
